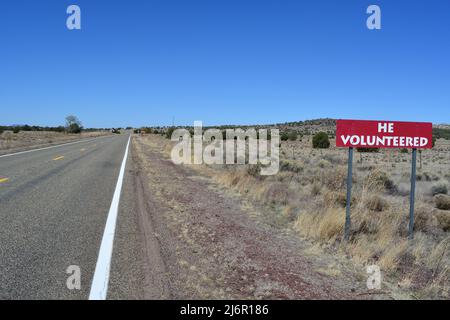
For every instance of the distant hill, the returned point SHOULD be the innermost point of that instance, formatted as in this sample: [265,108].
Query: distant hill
[309,127]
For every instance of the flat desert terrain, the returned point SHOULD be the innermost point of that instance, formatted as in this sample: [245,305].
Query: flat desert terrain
[232,233]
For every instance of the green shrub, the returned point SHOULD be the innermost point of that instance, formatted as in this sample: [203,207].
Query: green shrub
[321,141]
[439,133]
[291,166]
[440,188]
[169,132]
[367,150]
[74,128]
[284,136]
[292,135]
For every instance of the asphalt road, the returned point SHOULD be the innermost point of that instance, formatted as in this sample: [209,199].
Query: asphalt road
[54,204]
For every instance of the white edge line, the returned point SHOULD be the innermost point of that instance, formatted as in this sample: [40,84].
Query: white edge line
[50,147]
[99,286]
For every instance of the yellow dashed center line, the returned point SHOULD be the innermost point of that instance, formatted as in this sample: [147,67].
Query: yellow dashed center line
[3,180]
[58,158]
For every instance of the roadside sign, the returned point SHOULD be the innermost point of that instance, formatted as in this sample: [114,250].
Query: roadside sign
[383,134]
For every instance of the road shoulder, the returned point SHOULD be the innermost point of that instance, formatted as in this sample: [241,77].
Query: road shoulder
[213,249]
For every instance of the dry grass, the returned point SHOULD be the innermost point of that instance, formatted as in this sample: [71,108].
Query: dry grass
[310,193]
[11,142]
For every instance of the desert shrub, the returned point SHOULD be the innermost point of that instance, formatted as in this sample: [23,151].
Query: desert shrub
[292,135]
[440,188]
[426,176]
[441,133]
[254,170]
[365,222]
[321,141]
[316,189]
[16,130]
[291,166]
[366,168]
[421,218]
[367,150]
[290,213]
[278,193]
[376,203]
[335,179]
[442,201]
[323,163]
[443,219]
[338,198]
[334,159]
[381,178]
[284,136]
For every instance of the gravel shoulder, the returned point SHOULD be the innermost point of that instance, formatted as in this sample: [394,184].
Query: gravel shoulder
[202,243]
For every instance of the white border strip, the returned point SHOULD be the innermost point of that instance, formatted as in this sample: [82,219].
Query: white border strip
[99,287]
[51,147]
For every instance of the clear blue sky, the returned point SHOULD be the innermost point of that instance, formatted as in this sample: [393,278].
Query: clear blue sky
[223,61]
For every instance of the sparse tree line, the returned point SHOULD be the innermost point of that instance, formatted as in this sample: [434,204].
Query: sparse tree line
[72,125]
[320,140]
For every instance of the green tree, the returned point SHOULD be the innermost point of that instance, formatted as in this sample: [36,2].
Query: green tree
[73,125]
[169,132]
[284,136]
[321,141]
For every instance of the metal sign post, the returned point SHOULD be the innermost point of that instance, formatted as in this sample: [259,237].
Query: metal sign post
[412,195]
[349,192]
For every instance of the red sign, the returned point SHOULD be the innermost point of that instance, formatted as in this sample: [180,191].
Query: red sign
[384,134]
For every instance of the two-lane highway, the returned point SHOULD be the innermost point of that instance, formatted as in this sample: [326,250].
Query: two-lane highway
[54,206]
